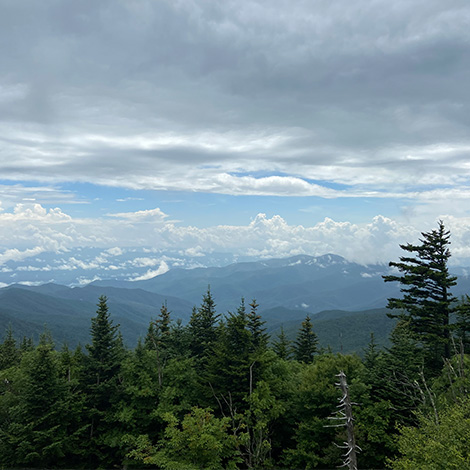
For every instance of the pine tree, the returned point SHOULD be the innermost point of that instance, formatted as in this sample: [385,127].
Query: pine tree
[281,346]
[43,426]
[259,338]
[202,325]
[102,366]
[9,353]
[305,345]
[427,301]
[158,339]
[229,366]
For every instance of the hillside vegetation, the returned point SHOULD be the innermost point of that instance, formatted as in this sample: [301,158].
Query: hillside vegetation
[232,391]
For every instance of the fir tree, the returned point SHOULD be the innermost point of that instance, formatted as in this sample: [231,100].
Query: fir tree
[202,325]
[9,353]
[229,366]
[305,345]
[158,339]
[102,367]
[281,346]
[427,301]
[259,338]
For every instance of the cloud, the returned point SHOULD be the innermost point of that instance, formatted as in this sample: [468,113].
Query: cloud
[152,215]
[31,230]
[255,98]
[162,269]
[13,254]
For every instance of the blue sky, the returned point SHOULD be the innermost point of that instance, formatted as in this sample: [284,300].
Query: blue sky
[238,127]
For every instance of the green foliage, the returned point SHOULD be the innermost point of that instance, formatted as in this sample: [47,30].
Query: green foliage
[231,365]
[255,324]
[316,400]
[199,441]
[462,325]
[281,346]
[202,325]
[102,365]
[9,353]
[437,445]
[213,395]
[427,301]
[305,346]
[41,427]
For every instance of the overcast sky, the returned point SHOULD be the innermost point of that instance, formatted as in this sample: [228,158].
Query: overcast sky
[274,126]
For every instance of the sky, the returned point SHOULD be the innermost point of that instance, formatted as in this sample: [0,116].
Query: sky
[190,129]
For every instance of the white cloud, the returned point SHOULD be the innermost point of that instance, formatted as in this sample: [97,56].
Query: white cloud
[13,254]
[152,215]
[145,262]
[162,269]
[115,251]
[29,231]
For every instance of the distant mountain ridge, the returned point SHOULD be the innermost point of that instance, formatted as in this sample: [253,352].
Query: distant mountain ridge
[285,289]
[300,282]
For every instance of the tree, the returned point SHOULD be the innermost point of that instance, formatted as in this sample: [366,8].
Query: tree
[229,367]
[435,445]
[199,441]
[462,325]
[42,428]
[158,338]
[305,346]
[102,366]
[427,302]
[202,325]
[281,346]
[255,324]
[9,353]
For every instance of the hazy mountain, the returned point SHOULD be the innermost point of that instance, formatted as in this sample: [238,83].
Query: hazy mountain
[300,282]
[286,289]
[66,312]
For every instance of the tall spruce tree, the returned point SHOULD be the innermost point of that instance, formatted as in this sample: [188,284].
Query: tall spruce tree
[202,325]
[9,353]
[229,366]
[158,339]
[102,366]
[255,324]
[305,345]
[282,346]
[427,301]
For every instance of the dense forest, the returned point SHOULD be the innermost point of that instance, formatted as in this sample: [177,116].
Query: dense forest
[220,393]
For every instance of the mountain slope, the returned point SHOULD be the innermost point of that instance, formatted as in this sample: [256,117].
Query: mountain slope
[299,282]
[67,312]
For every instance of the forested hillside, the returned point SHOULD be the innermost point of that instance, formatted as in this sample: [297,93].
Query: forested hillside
[218,393]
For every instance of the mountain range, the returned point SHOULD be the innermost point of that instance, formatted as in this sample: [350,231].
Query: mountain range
[346,300]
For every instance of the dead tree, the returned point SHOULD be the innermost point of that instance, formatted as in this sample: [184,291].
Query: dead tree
[344,414]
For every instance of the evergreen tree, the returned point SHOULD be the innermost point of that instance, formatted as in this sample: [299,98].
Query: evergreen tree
[305,345]
[281,346]
[158,339]
[43,428]
[229,366]
[462,325]
[202,325]
[371,354]
[102,366]
[27,344]
[9,353]
[427,301]
[259,338]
